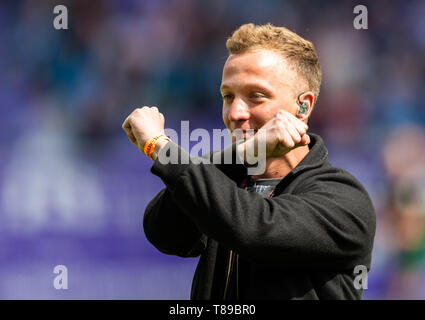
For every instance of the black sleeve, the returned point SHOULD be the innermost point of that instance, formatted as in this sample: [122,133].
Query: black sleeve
[330,222]
[169,229]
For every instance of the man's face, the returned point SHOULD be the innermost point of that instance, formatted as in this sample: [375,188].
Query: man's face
[256,85]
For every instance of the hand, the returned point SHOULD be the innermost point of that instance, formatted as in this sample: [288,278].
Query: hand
[283,133]
[143,124]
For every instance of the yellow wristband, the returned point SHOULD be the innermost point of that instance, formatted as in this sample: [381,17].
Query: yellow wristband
[150,145]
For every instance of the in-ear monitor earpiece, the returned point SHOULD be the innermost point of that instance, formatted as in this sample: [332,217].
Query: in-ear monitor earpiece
[303,108]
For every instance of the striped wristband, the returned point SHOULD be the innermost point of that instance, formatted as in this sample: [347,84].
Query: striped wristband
[151,144]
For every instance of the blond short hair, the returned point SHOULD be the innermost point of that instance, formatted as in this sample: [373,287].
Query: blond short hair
[298,51]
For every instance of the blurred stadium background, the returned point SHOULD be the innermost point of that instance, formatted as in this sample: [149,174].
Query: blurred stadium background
[73,189]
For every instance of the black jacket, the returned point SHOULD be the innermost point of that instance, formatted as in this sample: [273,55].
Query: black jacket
[303,243]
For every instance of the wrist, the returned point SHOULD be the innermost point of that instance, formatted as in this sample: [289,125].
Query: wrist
[159,145]
[151,144]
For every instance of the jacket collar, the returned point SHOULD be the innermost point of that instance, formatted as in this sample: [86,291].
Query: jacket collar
[317,155]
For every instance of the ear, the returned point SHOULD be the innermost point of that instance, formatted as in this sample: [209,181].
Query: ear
[308,98]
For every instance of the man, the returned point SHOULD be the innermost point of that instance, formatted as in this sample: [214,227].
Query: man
[297,230]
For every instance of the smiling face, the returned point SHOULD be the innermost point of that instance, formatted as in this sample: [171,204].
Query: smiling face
[255,85]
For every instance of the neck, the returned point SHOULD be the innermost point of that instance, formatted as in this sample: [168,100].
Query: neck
[280,167]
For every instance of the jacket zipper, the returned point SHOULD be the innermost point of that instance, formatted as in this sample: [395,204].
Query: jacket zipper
[230,265]
[232,256]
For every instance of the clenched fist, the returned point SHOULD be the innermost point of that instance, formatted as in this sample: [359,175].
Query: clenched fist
[283,133]
[143,124]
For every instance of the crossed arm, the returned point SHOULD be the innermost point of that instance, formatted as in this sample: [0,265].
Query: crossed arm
[327,220]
